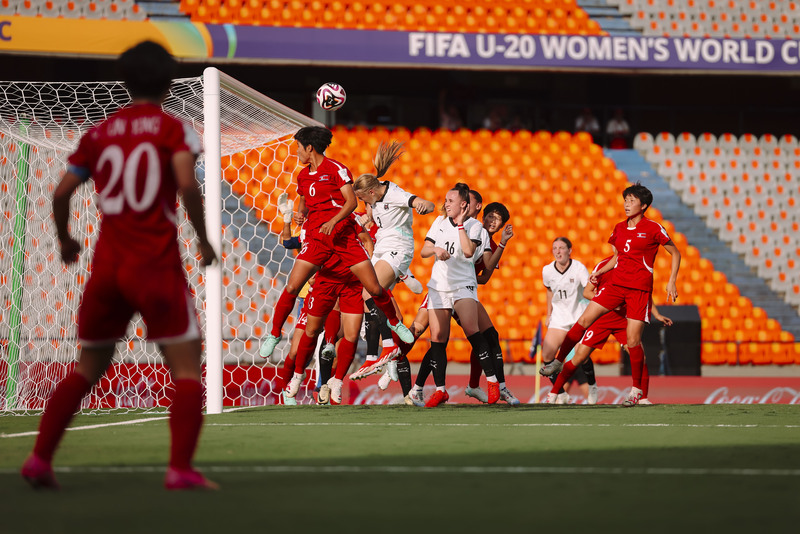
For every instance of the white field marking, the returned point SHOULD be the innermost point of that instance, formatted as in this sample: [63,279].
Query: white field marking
[581,425]
[88,427]
[120,423]
[478,470]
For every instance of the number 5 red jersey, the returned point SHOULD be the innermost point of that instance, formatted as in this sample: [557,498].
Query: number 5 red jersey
[636,253]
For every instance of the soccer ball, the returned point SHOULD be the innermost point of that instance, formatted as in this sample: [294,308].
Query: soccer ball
[331,96]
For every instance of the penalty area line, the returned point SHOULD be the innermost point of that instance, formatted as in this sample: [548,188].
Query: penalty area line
[88,427]
[416,470]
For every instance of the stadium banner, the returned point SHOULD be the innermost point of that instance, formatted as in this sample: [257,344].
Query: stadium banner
[196,40]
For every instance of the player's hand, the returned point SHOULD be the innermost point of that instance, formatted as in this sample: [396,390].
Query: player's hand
[593,279]
[364,220]
[461,216]
[327,228]
[508,233]
[672,292]
[441,254]
[70,250]
[207,254]
[666,320]
[423,207]
[299,218]
[286,207]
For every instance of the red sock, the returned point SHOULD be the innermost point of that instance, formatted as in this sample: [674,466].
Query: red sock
[345,353]
[563,377]
[384,303]
[332,324]
[283,308]
[63,404]
[305,350]
[185,421]
[573,337]
[285,373]
[645,379]
[475,370]
[637,362]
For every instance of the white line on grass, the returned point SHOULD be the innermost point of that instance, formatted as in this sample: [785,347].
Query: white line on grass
[88,427]
[478,470]
[633,425]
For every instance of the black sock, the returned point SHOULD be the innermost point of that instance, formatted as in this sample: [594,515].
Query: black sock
[372,332]
[588,370]
[493,339]
[424,370]
[404,374]
[439,363]
[381,321]
[481,348]
[325,367]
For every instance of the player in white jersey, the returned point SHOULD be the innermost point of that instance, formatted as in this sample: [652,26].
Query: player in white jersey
[564,280]
[392,210]
[456,241]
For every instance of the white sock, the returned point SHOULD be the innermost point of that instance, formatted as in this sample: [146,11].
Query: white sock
[491,378]
[440,388]
[502,385]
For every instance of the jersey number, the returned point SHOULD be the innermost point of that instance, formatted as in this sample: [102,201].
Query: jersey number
[627,245]
[127,170]
[562,294]
[450,247]
[311,191]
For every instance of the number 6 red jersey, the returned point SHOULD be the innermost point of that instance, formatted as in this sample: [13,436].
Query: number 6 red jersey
[129,156]
[636,253]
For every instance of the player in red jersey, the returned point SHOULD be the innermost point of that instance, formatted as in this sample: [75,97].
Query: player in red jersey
[140,158]
[614,324]
[325,204]
[635,242]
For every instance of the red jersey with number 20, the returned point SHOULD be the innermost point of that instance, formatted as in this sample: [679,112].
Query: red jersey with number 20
[636,253]
[322,191]
[129,156]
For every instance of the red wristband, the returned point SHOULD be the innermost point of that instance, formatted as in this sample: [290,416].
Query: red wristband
[501,245]
[460,226]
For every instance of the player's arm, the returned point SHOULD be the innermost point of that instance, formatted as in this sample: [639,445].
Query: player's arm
[301,212]
[61,197]
[590,290]
[658,317]
[672,288]
[607,267]
[549,304]
[367,241]
[350,203]
[422,206]
[189,189]
[491,264]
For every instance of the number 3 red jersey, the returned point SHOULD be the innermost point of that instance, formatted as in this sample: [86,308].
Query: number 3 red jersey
[636,253]
[129,156]
[322,191]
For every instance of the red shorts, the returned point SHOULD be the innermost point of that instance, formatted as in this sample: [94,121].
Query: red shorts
[636,301]
[613,323]
[114,292]
[319,248]
[322,300]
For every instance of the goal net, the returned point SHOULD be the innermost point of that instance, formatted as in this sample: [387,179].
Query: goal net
[247,163]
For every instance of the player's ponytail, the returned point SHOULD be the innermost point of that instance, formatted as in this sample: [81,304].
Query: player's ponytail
[463,191]
[385,156]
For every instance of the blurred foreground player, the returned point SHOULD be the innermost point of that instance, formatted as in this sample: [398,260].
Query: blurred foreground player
[140,158]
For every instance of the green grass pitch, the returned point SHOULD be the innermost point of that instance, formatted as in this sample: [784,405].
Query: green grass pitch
[457,468]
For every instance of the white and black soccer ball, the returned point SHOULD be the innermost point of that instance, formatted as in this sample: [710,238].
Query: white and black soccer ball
[331,96]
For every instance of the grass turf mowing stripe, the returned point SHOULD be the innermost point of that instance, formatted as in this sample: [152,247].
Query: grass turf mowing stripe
[480,470]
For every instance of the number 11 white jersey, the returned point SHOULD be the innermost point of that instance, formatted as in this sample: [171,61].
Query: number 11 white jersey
[567,287]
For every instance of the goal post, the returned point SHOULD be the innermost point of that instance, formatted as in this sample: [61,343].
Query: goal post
[246,163]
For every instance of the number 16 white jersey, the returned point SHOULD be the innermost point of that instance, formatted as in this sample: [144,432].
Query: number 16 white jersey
[567,287]
[457,271]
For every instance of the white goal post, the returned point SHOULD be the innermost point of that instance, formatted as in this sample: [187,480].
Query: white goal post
[247,162]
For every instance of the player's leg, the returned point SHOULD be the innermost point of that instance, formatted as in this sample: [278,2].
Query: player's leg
[345,352]
[366,274]
[301,272]
[592,312]
[440,334]
[186,414]
[60,409]
[467,310]
[636,352]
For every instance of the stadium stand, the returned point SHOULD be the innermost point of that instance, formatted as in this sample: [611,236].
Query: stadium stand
[557,184]
[519,16]
[88,9]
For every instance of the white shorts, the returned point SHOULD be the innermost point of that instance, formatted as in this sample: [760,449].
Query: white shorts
[398,261]
[562,321]
[444,300]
